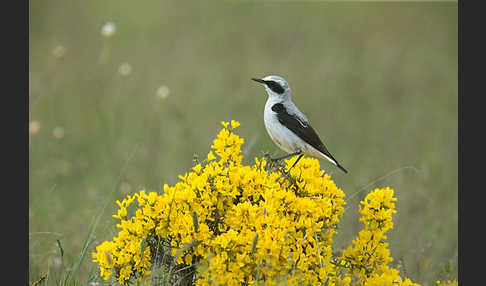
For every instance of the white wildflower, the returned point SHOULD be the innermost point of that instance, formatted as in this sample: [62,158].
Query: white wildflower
[58,132]
[108,29]
[34,127]
[125,69]
[163,92]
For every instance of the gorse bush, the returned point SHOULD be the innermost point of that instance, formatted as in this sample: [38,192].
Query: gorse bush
[269,223]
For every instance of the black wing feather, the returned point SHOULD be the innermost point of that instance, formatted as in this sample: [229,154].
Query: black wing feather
[304,131]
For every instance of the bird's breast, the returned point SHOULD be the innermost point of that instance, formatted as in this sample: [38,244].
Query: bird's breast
[280,135]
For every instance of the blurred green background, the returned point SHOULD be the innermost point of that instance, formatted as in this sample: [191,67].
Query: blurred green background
[111,115]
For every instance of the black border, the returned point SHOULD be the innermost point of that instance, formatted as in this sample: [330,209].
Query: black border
[470,143]
[15,140]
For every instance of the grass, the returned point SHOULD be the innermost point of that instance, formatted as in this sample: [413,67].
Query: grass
[377,80]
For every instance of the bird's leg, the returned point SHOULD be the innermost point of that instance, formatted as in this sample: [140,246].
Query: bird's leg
[286,174]
[290,155]
[295,162]
[286,156]
[275,162]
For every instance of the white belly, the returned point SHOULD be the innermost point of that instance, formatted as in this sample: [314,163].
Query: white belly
[283,137]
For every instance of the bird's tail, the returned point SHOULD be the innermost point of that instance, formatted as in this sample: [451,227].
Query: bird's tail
[341,167]
[332,160]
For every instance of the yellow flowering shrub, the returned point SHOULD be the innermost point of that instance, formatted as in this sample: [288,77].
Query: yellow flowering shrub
[368,257]
[226,223]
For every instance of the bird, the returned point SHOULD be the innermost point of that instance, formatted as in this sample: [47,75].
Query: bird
[288,127]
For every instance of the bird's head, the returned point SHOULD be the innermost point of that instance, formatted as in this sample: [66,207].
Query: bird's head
[275,86]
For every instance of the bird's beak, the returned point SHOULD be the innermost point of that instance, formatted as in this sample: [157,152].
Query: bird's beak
[258,80]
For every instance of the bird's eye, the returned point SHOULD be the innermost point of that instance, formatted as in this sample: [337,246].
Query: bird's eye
[275,86]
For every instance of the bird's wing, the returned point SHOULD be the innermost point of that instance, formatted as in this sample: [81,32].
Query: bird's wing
[301,128]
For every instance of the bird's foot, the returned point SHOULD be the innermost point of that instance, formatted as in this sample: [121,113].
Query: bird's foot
[272,163]
[277,162]
[287,156]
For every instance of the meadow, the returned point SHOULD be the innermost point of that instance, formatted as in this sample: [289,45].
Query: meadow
[111,114]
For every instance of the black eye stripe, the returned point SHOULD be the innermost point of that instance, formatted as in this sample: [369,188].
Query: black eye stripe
[275,86]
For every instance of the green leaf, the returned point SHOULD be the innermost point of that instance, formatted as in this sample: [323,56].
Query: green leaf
[253,246]
[60,247]
[195,221]
[143,244]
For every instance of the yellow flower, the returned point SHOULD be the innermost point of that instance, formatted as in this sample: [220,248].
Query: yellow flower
[197,168]
[447,283]
[125,273]
[248,223]
[211,156]
[234,124]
